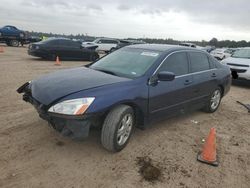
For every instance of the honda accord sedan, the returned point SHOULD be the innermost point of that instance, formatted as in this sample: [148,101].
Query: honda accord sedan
[132,87]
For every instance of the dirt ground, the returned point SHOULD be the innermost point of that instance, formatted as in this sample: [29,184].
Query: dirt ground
[34,155]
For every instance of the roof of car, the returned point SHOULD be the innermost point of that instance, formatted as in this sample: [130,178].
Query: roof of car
[161,47]
[104,38]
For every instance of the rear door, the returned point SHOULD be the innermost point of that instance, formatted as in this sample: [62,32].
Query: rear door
[204,76]
[170,97]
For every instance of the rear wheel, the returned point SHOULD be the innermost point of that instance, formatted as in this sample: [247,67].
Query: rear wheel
[117,128]
[14,43]
[214,101]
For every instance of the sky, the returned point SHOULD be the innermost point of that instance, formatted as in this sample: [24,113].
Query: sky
[177,19]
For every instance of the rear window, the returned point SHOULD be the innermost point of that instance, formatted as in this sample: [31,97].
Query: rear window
[199,62]
[69,43]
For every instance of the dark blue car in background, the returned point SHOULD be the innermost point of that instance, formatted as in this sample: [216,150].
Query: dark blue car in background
[131,87]
[11,35]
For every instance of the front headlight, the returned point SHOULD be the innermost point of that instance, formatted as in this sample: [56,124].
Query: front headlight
[37,47]
[72,107]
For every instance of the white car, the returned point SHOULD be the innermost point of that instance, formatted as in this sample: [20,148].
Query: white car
[221,53]
[104,44]
[239,63]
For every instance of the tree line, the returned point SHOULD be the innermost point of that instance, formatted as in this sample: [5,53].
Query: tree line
[213,42]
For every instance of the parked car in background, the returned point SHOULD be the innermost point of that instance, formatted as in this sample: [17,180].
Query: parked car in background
[133,86]
[123,43]
[208,48]
[104,44]
[221,53]
[64,48]
[188,45]
[12,36]
[239,63]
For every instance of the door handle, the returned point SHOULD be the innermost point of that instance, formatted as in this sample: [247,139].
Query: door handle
[187,82]
[213,75]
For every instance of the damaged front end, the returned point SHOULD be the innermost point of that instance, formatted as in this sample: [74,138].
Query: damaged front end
[75,127]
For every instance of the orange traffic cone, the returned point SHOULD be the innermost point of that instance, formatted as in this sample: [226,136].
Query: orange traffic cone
[1,49]
[208,154]
[57,61]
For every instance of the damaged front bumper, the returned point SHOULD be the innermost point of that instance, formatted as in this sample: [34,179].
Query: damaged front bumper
[75,127]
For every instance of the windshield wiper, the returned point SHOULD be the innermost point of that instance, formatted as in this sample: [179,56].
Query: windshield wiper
[107,71]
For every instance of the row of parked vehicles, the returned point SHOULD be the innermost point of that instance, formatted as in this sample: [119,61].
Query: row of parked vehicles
[238,59]
[68,49]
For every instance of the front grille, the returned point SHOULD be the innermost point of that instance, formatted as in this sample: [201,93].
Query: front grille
[237,65]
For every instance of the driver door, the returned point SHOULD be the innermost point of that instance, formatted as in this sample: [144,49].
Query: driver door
[167,98]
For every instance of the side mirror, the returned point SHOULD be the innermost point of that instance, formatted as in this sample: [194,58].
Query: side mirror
[166,76]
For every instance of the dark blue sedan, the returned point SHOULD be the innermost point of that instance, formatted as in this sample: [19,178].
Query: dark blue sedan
[132,87]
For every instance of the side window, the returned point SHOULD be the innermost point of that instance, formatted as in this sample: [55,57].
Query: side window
[99,41]
[53,42]
[199,61]
[213,62]
[113,42]
[70,43]
[176,63]
[62,42]
[104,41]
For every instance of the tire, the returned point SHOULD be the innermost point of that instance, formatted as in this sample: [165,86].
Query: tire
[120,119]
[8,43]
[14,43]
[214,101]
[93,57]
[112,50]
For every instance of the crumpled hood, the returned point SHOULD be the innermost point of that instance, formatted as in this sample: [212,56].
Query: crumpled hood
[59,84]
[242,61]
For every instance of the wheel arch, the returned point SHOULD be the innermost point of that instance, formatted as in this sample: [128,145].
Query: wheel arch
[138,112]
[222,89]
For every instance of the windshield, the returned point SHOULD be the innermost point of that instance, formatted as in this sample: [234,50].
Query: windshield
[127,62]
[243,53]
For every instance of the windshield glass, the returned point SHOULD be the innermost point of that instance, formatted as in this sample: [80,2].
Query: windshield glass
[127,62]
[243,53]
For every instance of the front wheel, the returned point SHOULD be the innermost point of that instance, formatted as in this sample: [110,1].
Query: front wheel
[112,50]
[94,57]
[117,128]
[214,101]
